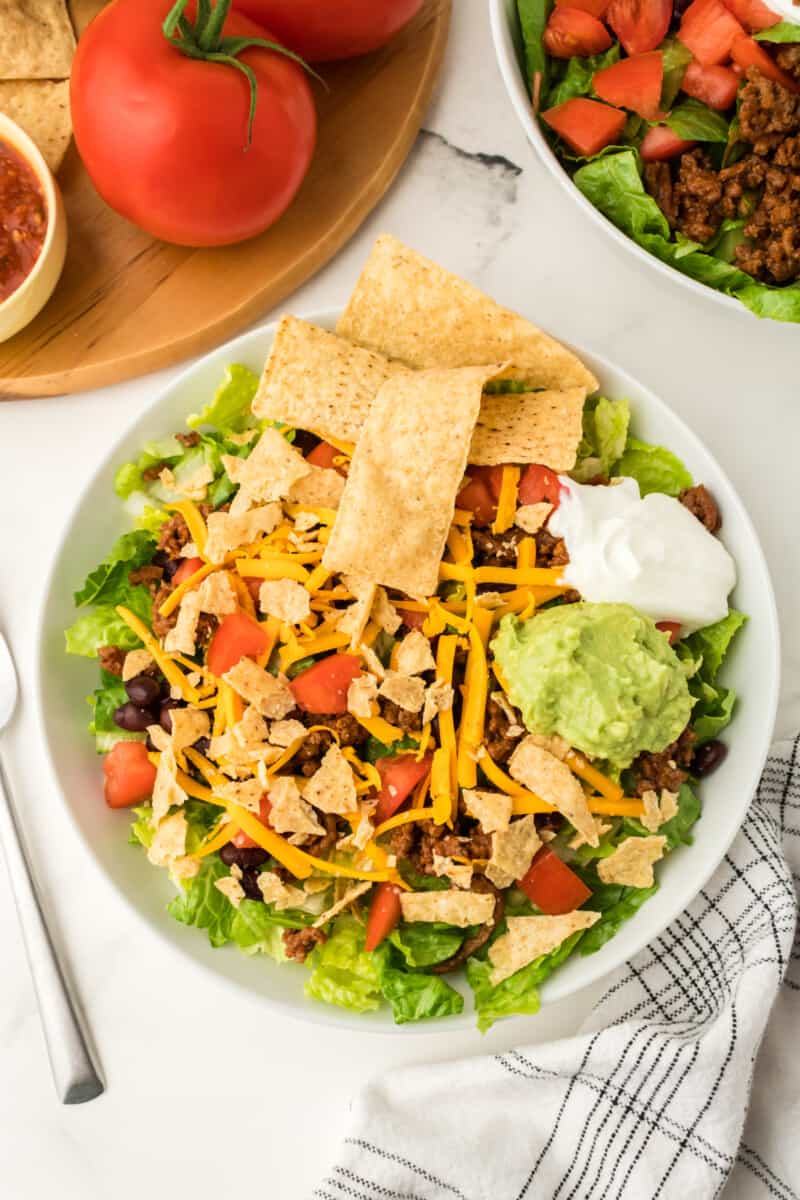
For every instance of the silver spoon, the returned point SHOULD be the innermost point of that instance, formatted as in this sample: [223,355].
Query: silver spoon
[74,1072]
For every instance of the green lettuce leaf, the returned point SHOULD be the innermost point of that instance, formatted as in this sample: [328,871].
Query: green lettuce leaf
[417,997]
[696,122]
[520,992]
[533,16]
[141,831]
[104,627]
[199,902]
[605,430]
[654,468]
[108,583]
[373,749]
[130,478]
[577,75]
[423,943]
[677,831]
[714,704]
[784,31]
[617,904]
[676,59]
[103,703]
[713,643]
[778,304]
[422,883]
[343,973]
[712,712]
[230,408]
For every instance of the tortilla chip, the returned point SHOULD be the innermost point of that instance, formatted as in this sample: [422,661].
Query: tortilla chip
[251,730]
[361,696]
[226,533]
[188,724]
[247,794]
[414,654]
[453,907]
[317,381]
[601,827]
[631,863]
[373,663]
[285,599]
[321,488]
[270,695]
[658,809]
[167,792]
[512,851]
[459,874]
[529,938]
[530,427]
[37,40]
[280,894]
[350,895]
[438,698]
[283,733]
[230,886]
[168,846]
[385,613]
[289,812]
[399,498]
[192,487]
[136,662]
[492,810]
[215,595]
[41,108]
[181,638]
[552,743]
[304,522]
[273,467]
[332,788]
[545,775]
[406,307]
[354,618]
[408,691]
[531,517]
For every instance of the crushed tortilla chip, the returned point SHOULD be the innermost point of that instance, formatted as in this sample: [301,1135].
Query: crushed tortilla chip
[280,894]
[283,733]
[322,487]
[350,895]
[601,827]
[230,886]
[373,663]
[269,694]
[407,691]
[159,737]
[658,810]
[227,533]
[354,618]
[545,775]
[251,730]
[332,788]
[552,743]
[168,847]
[268,474]
[385,613]
[193,487]
[215,595]
[413,654]
[531,517]
[246,795]
[530,427]
[304,522]
[452,907]
[136,663]
[438,698]
[289,812]
[492,810]
[528,938]
[361,695]
[631,863]
[188,724]
[285,599]
[167,792]
[181,638]
[512,851]
[459,874]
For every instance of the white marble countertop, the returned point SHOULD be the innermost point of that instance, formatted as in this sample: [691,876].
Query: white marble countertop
[207,1090]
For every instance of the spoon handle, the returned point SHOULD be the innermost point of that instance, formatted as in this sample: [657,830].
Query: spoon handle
[74,1072]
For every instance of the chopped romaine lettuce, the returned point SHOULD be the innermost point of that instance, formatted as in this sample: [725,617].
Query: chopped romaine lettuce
[103,626]
[417,997]
[342,971]
[108,583]
[230,408]
[533,16]
[520,992]
[696,122]
[103,703]
[201,904]
[605,430]
[710,645]
[654,468]
[575,75]
[617,904]
[423,943]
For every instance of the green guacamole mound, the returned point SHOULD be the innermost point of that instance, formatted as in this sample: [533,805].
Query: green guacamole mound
[599,675]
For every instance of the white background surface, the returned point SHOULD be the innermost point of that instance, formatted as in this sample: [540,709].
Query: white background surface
[208,1093]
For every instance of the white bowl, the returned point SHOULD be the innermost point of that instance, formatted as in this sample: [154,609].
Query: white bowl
[503,21]
[62,682]
[19,309]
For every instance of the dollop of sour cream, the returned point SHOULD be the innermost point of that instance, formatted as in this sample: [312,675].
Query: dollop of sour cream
[649,552]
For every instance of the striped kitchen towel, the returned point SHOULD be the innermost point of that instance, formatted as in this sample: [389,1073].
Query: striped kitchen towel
[684,1083]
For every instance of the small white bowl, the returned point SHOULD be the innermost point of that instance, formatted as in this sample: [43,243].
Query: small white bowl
[19,309]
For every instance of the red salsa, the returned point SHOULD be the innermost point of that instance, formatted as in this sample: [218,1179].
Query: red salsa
[23,220]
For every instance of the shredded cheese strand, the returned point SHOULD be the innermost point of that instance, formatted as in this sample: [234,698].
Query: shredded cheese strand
[507,501]
[581,767]
[476,693]
[405,818]
[168,668]
[174,598]
[194,521]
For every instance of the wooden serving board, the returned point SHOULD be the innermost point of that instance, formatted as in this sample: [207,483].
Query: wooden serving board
[127,304]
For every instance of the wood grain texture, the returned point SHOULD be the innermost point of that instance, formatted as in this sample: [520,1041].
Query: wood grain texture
[127,304]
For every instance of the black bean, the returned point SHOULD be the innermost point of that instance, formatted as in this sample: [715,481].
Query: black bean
[250,883]
[164,718]
[246,857]
[143,690]
[202,745]
[132,718]
[170,567]
[707,758]
[160,558]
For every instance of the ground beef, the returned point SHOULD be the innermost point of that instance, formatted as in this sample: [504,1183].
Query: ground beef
[667,769]
[403,840]
[162,625]
[437,839]
[658,181]
[300,942]
[774,226]
[550,551]
[188,439]
[409,722]
[788,59]
[499,745]
[496,549]
[149,576]
[313,750]
[151,474]
[701,504]
[174,535]
[111,659]
[321,846]
[206,628]
[767,112]
[483,885]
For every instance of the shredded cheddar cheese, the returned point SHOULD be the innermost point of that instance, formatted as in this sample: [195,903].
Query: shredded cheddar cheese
[507,502]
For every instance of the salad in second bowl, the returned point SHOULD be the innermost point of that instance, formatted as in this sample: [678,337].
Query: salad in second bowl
[680,122]
[410,661]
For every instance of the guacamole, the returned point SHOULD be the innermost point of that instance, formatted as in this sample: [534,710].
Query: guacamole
[600,675]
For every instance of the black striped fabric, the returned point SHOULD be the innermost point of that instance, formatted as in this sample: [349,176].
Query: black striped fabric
[684,1084]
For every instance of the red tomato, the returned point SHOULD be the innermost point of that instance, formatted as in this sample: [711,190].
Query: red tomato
[539,483]
[323,455]
[481,493]
[242,839]
[551,885]
[709,30]
[384,914]
[596,7]
[671,628]
[716,86]
[633,83]
[322,30]
[129,775]
[186,569]
[660,143]
[399,776]
[164,136]
[747,53]
[754,15]
[323,687]
[237,636]
[585,125]
[571,32]
[412,620]
[640,25]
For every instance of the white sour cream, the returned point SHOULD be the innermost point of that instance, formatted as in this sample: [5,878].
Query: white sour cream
[651,553]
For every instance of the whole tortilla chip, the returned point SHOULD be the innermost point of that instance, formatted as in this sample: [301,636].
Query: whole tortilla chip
[531,427]
[406,307]
[41,108]
[37,41]
[400,494]
[317,381]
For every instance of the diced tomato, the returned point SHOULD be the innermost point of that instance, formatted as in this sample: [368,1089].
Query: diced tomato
[571,32]
[323,687]
[412,620]
[747,53]
[130,775]
[754,15]
[186,570]
[671,628]
[323,455]
[716,86]
[243,840]
[384,914]
[640,25]
[709,30]
[660,143]
[633,83]
[481,493]
[552,885]
[596,7]
[399,776]
[237,636]
[585,125]
[538,483]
